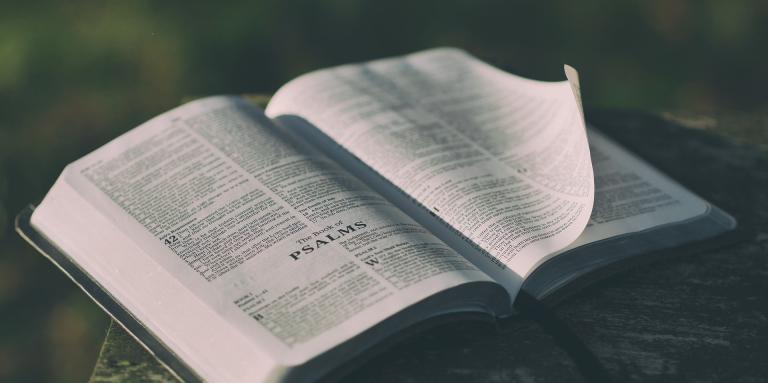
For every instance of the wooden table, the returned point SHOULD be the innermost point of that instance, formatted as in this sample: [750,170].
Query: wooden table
[700,317]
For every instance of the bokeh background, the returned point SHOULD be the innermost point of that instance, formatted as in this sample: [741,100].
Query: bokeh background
[75,74]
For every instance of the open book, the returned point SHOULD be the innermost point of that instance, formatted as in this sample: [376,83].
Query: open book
[248,245]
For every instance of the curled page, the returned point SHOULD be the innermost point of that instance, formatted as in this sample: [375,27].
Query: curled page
[502,160]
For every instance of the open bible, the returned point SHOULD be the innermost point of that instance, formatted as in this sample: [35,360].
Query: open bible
[241,244]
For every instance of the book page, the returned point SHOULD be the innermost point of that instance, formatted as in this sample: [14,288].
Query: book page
[637,210]
[631,196]
[502,160]
[280,241]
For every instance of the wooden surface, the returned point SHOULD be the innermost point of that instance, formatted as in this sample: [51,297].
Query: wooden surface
[701,317]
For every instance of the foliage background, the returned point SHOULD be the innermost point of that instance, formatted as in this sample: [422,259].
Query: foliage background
[75,74]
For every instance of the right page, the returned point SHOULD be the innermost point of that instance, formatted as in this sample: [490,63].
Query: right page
[637,210]
[632,196]
[501,160]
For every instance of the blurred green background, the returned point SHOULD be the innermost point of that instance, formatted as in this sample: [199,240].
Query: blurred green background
[75,74]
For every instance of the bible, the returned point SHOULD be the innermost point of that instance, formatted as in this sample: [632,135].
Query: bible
[245,244]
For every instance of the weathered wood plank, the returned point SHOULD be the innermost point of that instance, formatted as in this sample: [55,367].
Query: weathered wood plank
[696,318]
[122,360]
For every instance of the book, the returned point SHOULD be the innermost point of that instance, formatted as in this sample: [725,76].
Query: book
[241,244]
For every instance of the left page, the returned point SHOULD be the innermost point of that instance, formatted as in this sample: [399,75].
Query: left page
[272,236]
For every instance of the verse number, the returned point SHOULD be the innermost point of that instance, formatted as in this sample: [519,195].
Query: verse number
[171,239]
